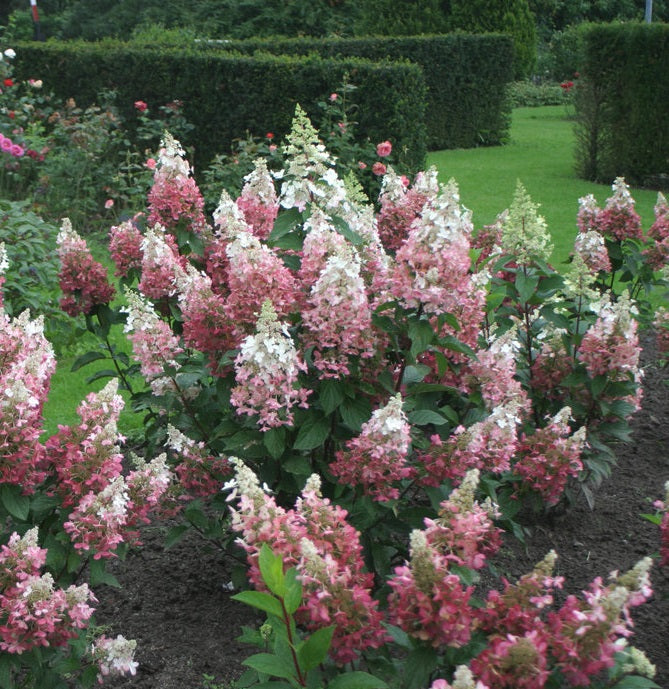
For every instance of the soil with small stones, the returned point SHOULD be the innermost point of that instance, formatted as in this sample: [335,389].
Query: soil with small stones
[177,606]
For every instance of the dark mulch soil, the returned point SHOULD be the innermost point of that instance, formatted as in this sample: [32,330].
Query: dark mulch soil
[176,605]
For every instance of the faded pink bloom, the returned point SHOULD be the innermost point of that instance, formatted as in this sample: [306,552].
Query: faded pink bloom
[155,347]
[259,201]
[338,319]
[658,252]
[377,459]
[428,600]
[125,247]
[109,203]
[98,522]
[591,247]
[34,612]
[315,538]
[27,366]
[548,458]
[86,456]
[83,280]
[256,274]
[115,657]
[199,472]
[175,199]
[266,373]
[162,265]
[206,325]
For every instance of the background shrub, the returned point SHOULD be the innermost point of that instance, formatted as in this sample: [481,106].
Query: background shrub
[623,103]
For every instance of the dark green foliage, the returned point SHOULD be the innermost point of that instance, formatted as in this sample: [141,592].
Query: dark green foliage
[623,103]
[466,77]
[402,17]
[512,17]
[225,95]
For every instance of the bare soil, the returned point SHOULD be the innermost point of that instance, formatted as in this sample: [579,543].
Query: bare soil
[175,602]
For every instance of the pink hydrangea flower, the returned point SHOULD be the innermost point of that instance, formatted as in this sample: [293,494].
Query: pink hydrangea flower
[377,459]
[83,280]
[266,374]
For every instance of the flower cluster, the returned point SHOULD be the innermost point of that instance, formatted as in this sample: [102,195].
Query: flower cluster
[8,146]
[125,247]
[27,366]
[377,458]
[548,458]
[114,657]
[174,198]
[83,280]
[34,612]
[618,220]
[315,538]
[200,474]
[528,639]
[266,372]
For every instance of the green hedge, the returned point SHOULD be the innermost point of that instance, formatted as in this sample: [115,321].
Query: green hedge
[226,95]
[623,107]
[466,76]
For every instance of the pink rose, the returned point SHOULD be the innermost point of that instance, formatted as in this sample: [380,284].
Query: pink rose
[109,203]
[333,97]
[362,165]
[151,163]
[384,149]
[379,169]
[140,105]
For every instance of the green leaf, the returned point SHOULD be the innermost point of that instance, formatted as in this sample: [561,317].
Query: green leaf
[419,666]
[271,569]
[261,601]
[6,663]
[293,597]
[175,534]
[312,433]
[17,505]
[99,574]
[331,395]
[422,335]
[270,664]
[415,374]
[274,440]
[99,375]
[636,682]
[87,358]
[314,650]
[284,223]
[344,229]
[354,412]
[526,285]
[357,680]
[423,417]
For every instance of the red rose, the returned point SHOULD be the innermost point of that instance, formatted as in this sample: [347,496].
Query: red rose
[8,82]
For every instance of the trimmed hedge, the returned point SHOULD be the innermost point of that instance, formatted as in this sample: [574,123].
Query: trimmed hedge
[466,76]
[623,106]
[226,95]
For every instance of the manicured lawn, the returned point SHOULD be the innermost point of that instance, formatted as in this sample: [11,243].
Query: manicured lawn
[541,155]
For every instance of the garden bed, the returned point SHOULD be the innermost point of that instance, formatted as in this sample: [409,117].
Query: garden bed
[176,605]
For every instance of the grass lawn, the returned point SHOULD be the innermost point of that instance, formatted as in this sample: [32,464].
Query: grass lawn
[541,155]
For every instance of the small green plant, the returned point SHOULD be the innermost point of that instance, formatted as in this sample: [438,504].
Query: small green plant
[296,660]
